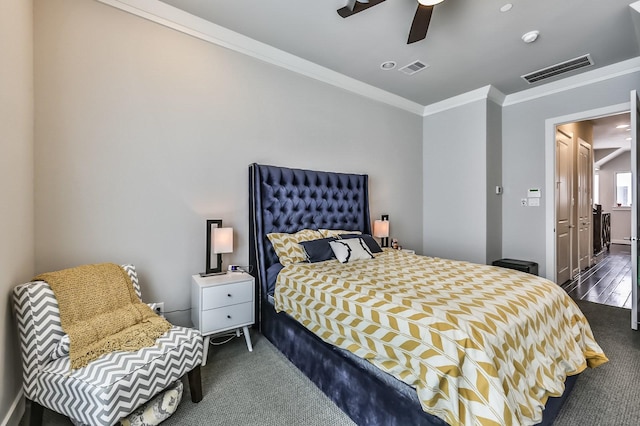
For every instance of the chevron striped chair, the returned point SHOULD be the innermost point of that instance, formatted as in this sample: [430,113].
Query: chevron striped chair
[110,387]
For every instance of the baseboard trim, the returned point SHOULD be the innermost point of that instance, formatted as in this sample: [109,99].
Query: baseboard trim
[16,411]
[625,242]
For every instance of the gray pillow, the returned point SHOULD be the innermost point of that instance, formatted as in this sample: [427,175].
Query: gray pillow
[374,247]
[318,250]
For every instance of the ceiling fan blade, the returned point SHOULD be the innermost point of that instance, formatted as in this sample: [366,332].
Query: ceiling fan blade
[354,7]
[420,23]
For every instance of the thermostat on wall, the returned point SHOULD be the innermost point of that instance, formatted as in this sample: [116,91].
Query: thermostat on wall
[534,193]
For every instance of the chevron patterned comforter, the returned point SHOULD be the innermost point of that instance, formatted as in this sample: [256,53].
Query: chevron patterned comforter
[480,344]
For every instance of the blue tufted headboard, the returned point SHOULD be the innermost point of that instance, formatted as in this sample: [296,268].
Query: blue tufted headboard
[288,200]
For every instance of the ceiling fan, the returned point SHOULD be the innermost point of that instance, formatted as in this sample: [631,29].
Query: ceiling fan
[420,23]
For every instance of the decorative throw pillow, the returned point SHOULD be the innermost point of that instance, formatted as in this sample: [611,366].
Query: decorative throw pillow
[62,348]
[318,250]
[326,233]
[349,250]
[158,409]
[288,248]
[373,245]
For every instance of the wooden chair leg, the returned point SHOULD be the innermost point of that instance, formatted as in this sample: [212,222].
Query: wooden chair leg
[35,413]
[195,384]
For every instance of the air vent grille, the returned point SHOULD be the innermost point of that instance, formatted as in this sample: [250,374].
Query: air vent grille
[557,69]
[413,67]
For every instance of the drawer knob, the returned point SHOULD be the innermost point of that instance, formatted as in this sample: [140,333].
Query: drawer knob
[229,316]
[228,295]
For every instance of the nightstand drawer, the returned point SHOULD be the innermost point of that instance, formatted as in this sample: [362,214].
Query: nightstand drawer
[228,294]
[227,317]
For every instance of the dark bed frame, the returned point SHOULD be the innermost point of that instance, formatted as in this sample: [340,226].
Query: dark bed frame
[288,200]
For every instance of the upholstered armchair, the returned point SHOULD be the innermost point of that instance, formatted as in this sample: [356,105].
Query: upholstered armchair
[108,388]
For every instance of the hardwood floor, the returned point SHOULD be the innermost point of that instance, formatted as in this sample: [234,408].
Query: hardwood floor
[608,282]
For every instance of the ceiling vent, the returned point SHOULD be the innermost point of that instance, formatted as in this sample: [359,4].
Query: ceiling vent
[557,69]
[413,67]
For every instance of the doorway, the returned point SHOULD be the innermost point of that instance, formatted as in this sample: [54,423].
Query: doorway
[550,210]
[550,175]
[606,277]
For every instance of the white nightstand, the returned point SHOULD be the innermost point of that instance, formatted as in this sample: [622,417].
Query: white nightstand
[409,251]
[222,303]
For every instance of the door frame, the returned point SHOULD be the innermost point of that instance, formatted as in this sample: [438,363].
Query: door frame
[550,171]
[571,227]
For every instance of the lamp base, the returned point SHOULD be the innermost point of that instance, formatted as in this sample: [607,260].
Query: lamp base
[210,274]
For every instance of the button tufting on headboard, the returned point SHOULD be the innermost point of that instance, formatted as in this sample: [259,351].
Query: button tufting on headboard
[288,200]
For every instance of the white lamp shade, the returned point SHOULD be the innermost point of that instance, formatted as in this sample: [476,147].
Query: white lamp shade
[222,240]
[381,228]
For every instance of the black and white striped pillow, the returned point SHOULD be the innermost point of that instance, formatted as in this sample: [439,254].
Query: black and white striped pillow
[349,250]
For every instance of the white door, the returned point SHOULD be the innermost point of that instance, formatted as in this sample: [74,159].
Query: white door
[564,167]
[635,219]
[585,210]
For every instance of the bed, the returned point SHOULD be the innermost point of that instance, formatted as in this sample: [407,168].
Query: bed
[287,201]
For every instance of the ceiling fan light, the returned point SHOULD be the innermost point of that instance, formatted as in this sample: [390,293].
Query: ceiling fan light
[429,2]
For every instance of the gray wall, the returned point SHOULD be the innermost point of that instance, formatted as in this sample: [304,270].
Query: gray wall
[620,217]
[143,133]
[16,187]
[494,178]
[523,158]
[455,185]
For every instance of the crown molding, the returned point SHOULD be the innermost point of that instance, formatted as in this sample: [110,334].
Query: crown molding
[496,95]
[179,20]
[483,93]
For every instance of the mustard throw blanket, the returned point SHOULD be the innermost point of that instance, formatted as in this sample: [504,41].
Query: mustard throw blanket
[101,313]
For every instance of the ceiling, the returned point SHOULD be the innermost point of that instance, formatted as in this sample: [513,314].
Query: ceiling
[470,43]
[607,135]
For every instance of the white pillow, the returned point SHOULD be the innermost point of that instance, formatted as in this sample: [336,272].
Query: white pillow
[352,249]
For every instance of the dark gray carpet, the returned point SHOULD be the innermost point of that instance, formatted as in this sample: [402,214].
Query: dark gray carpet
[255,388]
[263,388]
[609,394]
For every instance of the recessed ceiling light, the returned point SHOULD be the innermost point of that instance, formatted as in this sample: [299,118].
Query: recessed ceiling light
[507,7]
[389,65]
[622,126]
[530,37]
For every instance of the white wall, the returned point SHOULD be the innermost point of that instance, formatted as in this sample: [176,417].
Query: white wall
[143,133]
[16,187]
[523,157]
[620,217]
[455,184]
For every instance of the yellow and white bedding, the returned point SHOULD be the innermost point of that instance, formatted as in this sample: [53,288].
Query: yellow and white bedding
[481,344]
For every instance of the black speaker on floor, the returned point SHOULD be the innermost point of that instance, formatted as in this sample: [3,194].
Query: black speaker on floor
[518,265]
